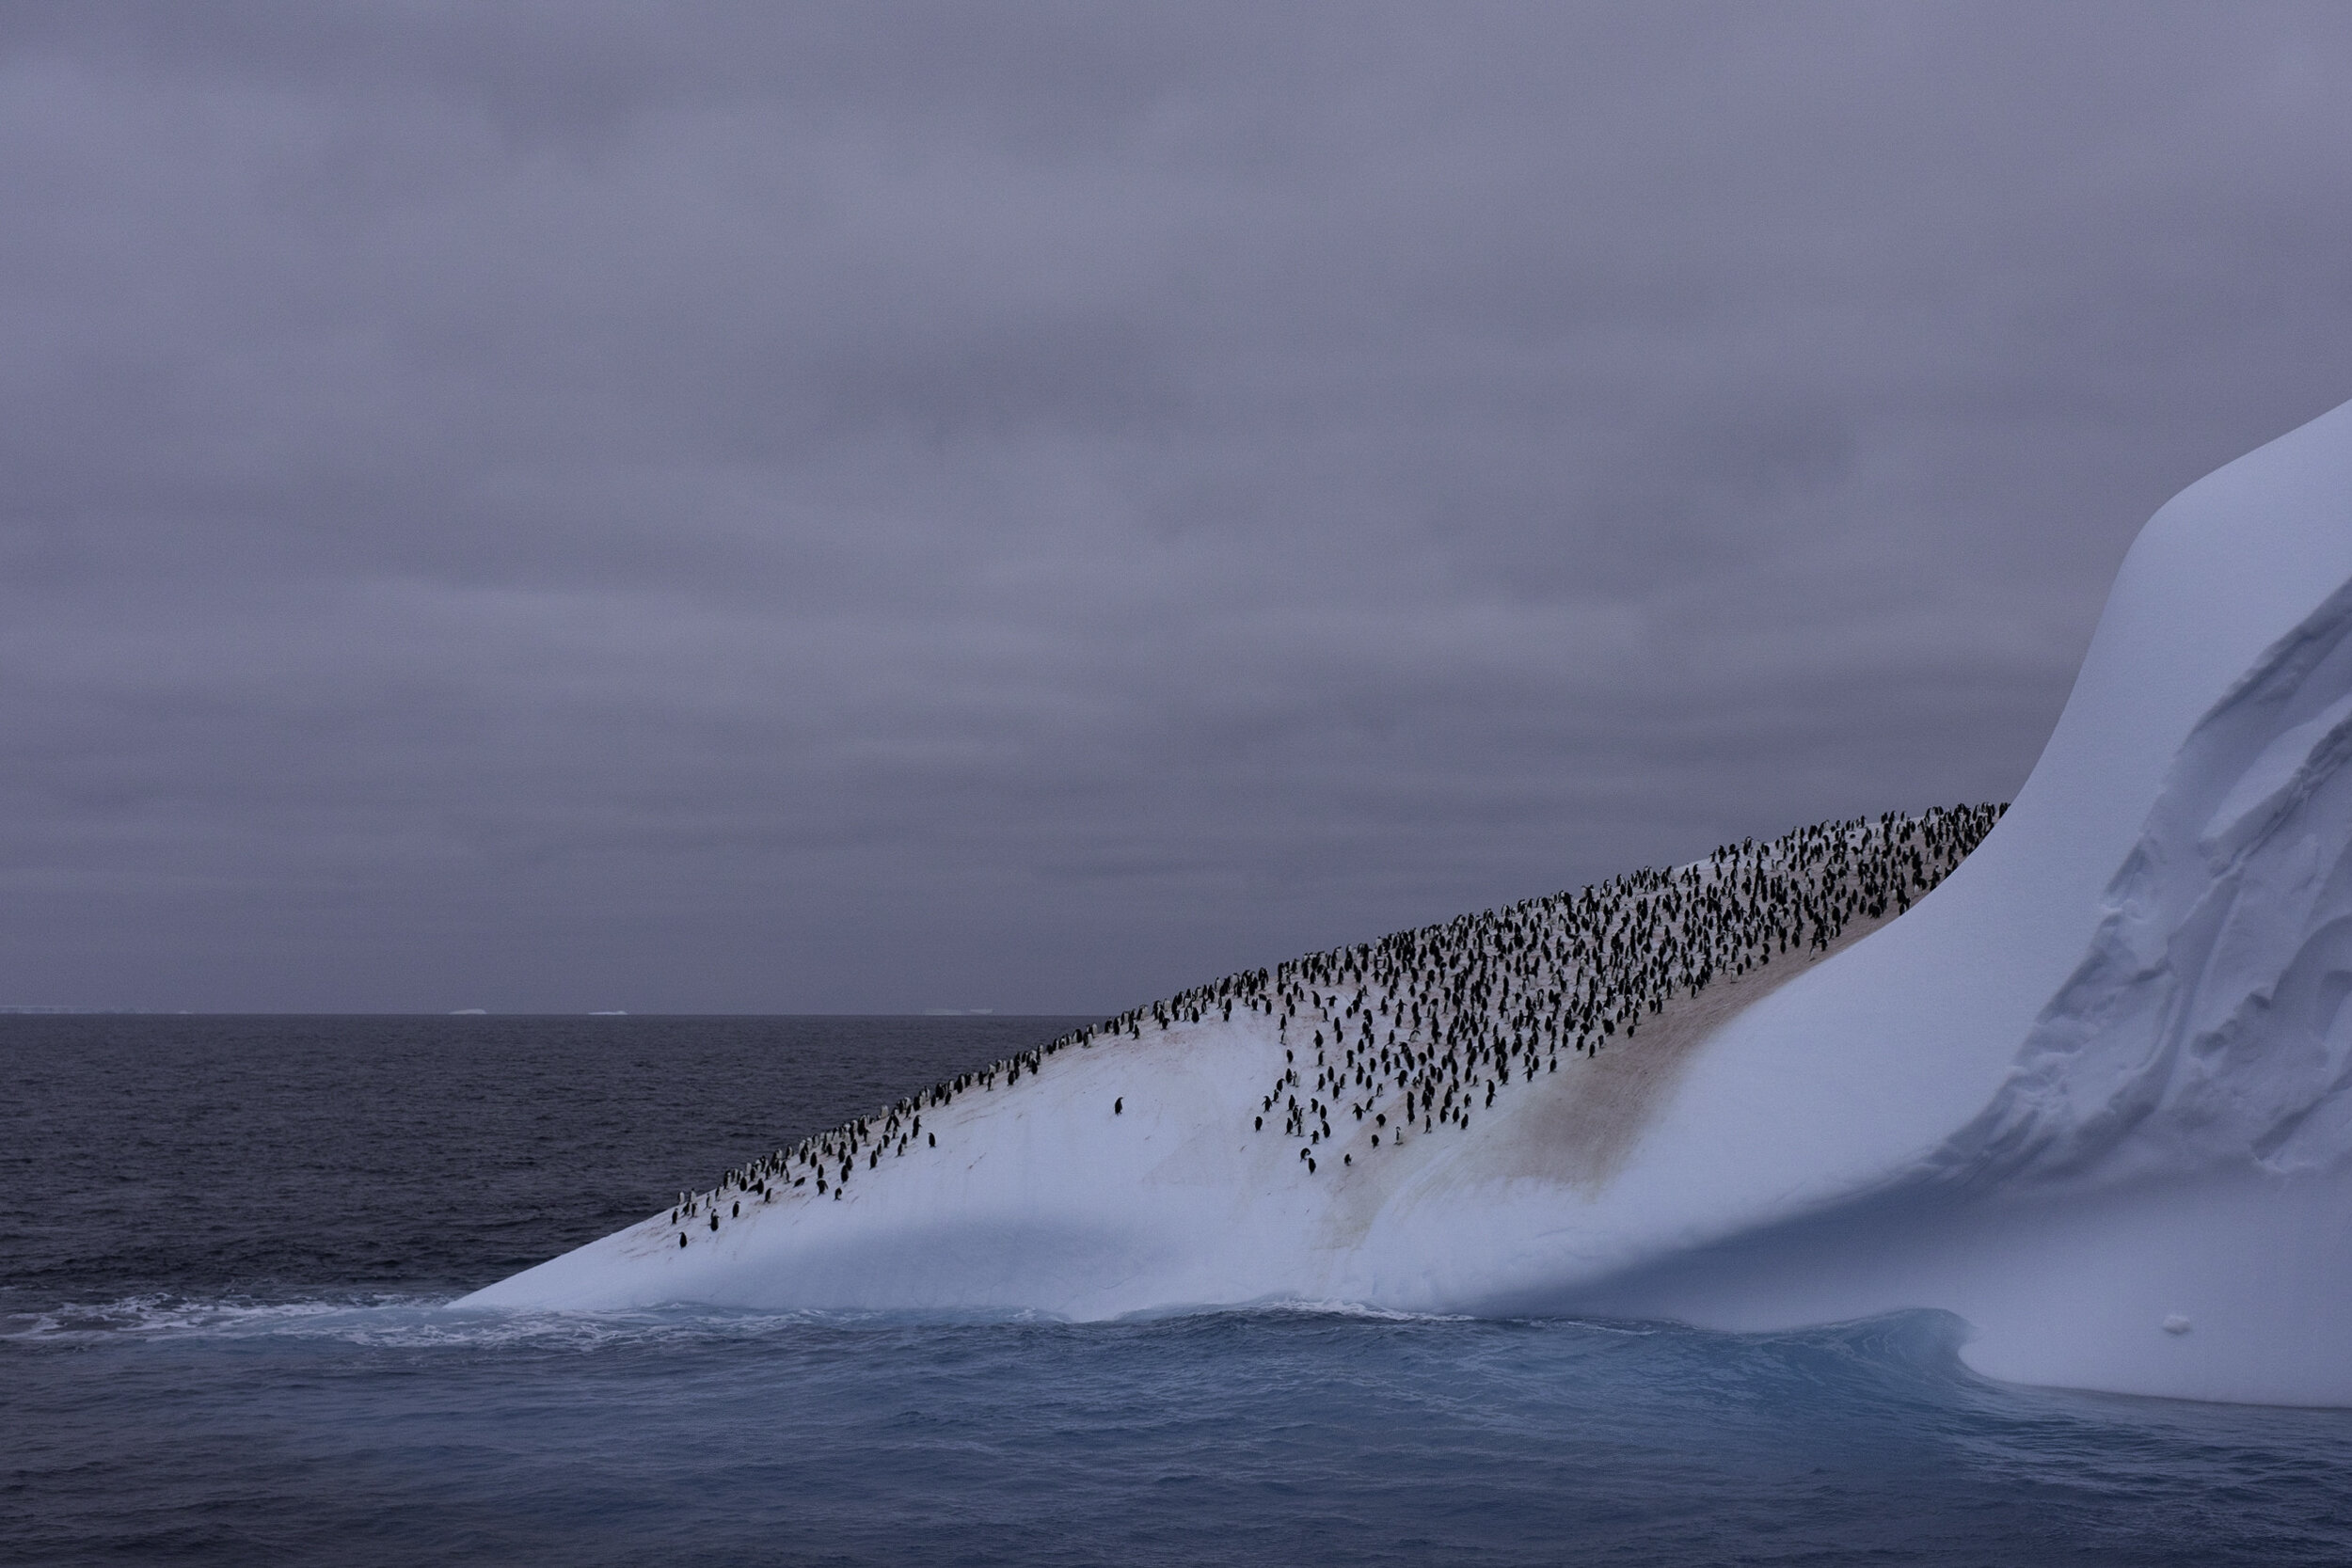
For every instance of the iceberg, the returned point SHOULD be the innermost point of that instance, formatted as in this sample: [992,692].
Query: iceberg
[2075,1072]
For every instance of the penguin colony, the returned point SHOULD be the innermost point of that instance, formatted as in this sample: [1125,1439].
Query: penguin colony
[1414,1034]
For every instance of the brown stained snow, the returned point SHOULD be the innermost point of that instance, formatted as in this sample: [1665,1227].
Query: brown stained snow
[1579,1128]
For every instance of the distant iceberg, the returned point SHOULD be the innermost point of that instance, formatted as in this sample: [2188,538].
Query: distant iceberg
[2079,1077]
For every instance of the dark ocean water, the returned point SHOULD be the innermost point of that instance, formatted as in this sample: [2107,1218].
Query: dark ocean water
[225,1244]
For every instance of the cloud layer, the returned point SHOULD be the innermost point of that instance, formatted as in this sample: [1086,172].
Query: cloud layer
[867,508]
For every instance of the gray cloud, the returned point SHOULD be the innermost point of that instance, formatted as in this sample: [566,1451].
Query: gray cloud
[841,508]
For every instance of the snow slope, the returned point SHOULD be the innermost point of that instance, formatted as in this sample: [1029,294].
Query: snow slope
[2089,1094]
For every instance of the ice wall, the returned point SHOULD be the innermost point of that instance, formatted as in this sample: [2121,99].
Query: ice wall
[2203,1029]
[2088,1094]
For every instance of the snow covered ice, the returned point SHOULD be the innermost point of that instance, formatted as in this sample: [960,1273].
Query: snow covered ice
[2089,1092]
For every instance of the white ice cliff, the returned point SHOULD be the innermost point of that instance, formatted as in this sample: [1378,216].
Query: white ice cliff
[2090,1093]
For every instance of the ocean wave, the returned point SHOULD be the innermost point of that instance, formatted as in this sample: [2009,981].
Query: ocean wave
[410,1321]
[378,1320]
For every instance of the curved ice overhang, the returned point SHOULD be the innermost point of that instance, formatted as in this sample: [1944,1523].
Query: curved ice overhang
[1852,1078]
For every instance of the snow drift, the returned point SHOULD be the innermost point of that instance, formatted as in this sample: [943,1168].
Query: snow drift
[2089,1094]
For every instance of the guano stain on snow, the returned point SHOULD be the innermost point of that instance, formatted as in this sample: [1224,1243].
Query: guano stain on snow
[1580,1132]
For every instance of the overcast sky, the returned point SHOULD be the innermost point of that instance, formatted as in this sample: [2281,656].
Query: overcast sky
[866,508]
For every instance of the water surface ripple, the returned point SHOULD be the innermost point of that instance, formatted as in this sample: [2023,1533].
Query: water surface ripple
[226,1247]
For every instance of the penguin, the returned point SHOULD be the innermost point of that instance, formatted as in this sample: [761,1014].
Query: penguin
[1118,1106]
